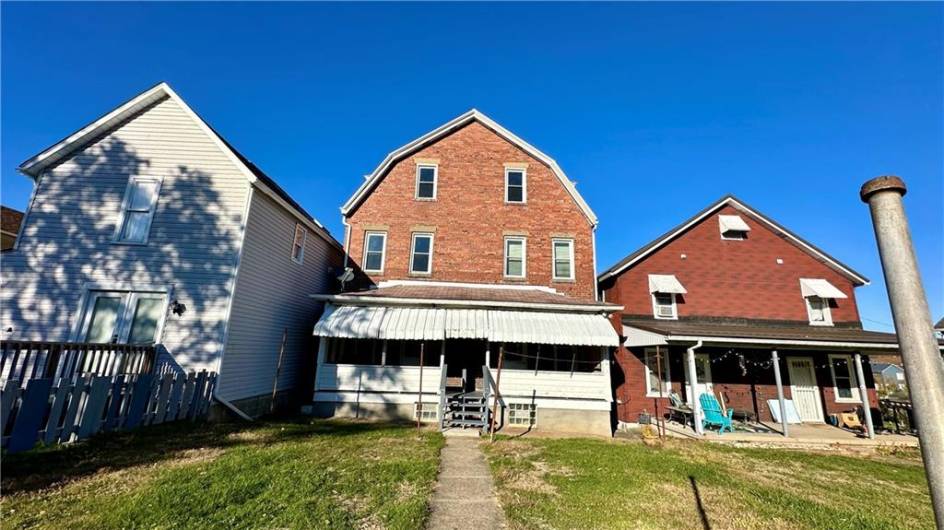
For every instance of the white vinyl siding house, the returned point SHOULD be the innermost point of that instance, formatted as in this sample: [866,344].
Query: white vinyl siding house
[192,210]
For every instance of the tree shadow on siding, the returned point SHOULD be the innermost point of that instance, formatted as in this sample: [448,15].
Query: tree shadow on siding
[67,246]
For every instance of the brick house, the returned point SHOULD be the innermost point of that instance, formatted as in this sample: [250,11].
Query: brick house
[476,247]
[725,295]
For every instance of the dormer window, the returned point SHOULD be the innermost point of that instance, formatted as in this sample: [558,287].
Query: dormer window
[733,227]
[818,293]
[426,177]
[664,289]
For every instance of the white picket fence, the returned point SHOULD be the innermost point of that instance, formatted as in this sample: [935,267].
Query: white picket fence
[76,408]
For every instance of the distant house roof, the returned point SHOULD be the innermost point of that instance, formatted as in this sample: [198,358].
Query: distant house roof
[446,129]
[881,367]
[10,220]
[733,201]
[444,294]
[34,166]
[940,325]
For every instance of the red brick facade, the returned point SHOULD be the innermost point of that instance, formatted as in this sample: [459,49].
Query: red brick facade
[752,280]
[470,217]
[736,279]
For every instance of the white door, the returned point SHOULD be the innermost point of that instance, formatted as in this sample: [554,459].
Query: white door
[804,388]
[702,375]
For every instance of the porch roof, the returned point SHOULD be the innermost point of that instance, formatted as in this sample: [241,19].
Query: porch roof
[652,333]
[497,325]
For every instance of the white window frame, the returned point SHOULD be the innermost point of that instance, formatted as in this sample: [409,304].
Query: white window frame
[130,296]
[524,257]
[655,307]
[570,252]
[429,263]
[853,379]
[667,382]
[524,185]
[383,252]
[126,203]
[301,246]
[416,191]
[827,314]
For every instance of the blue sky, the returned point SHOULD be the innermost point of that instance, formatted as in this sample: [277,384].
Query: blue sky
[655,110]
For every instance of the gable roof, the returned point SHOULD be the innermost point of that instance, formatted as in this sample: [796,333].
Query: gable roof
[733,201]
[449,127]
[10,220]
[35,165]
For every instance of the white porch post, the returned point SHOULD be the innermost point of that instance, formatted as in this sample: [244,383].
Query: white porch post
[383,353]
[864,394]
[693,385]
[442,354]
[783,408]
[322,351]
[488,354]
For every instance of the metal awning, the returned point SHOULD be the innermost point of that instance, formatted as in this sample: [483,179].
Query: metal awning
[411,323]
[665,283]
[732,223]
[821,288]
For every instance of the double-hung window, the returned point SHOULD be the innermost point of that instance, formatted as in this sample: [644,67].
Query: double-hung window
[298,243]
[516,190]
[845,384]
[122,316]
[375,246]
[818,310]
[421,257]
[515,257]
[654,363]
[663,306]
[563,259]
[426,177]
[137,210]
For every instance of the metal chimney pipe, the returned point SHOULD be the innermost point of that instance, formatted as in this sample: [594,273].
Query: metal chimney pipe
[919,349]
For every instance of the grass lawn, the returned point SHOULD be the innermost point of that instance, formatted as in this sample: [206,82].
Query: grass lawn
[291,474]
[585,483]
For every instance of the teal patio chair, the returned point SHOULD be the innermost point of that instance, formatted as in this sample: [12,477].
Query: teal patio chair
[712,415]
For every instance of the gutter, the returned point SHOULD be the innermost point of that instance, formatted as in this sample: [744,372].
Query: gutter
[481,304]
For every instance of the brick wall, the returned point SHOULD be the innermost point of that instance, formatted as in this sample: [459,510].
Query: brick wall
[470,217]
[738,279]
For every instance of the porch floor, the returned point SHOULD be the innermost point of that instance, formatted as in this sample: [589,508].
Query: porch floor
[806,434]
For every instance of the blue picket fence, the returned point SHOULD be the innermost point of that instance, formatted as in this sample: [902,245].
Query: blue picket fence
[69,409]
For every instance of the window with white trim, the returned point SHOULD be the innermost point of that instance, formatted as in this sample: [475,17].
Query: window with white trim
[137,210]
[515,257]
[426,181]
[664,306]
[126,317]
[421,256]
[818,311]
[845,384]
[521,414]
[516,187]
[563,259]
[375,247]
[298,243]
[654,362]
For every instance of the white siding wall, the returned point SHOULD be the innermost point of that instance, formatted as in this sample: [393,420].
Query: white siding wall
[67,240]
[272,294]
[375,384]
[578,390]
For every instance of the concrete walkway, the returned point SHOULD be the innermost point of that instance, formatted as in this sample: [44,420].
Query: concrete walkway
[464,496]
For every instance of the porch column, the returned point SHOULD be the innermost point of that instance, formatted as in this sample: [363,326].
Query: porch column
[488,355]
[775,360]
[322,351]
[693,384]
[442,354]
[864,394]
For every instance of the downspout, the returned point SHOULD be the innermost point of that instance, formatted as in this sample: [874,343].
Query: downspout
[347,244]
[693,382]
[593,243]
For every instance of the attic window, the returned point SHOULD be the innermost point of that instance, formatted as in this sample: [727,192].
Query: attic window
[426,177]
[733,227]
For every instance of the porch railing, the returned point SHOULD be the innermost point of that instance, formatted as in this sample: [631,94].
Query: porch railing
[26,360]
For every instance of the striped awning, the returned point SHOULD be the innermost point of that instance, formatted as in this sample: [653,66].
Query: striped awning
[412,323]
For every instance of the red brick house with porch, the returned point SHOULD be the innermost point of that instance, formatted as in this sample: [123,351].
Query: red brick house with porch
[723,295]
[477,246]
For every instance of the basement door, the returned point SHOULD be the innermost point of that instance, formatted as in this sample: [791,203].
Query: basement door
[804,388]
